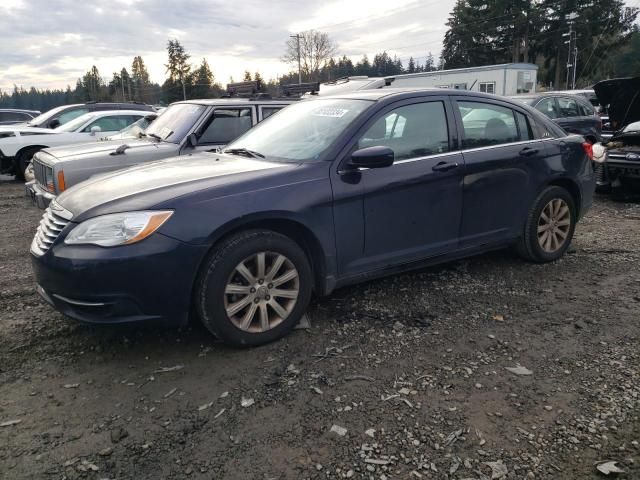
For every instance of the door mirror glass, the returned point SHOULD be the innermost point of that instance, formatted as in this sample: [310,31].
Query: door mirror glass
[372,157]
[55,123]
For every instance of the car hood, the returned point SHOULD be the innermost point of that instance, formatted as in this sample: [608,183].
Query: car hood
[158,182]
[623,97]
[105,147]
[25,128]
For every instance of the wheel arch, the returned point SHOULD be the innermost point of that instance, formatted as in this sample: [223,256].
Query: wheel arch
[29,147]
[574,190]
[289,227]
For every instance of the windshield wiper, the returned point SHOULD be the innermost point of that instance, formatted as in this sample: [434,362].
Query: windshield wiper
[152,135]
[243,151]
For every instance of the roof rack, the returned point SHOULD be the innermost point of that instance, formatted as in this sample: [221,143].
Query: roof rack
[346,79]
[300,88]
[244,89]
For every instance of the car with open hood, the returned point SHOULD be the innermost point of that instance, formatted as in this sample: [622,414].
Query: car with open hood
[329,192]
[622,166]
[182,129]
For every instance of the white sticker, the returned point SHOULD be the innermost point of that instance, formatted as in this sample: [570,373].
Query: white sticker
[329,112]
[165,132]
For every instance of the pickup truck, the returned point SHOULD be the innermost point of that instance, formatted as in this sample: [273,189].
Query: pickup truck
[184,128]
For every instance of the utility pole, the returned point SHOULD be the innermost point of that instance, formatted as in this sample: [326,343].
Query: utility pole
[573,50]
[122,83]
[297,37]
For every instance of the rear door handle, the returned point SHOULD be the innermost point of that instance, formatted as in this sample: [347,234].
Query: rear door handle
[527,152]
[444,166]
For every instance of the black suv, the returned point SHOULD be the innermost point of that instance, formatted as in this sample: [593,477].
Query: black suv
[65,113]
[572,112]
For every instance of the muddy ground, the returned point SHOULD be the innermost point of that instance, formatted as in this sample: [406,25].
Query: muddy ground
[412,368]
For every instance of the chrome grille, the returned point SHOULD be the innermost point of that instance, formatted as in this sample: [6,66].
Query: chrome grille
[50,227]
[40,171]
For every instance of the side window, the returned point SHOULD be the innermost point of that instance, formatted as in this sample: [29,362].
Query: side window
[110,124]
[226,125]
[410,131]
[586,110]
[268,111]
[488,87]
[526,132]
[486,124]
[568,107]
[71,114]
[548,107]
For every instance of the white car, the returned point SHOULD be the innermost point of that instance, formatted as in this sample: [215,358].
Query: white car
[18,143]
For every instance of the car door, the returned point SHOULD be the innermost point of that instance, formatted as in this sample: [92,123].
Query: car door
[224,125]
[411,209]
[499,151]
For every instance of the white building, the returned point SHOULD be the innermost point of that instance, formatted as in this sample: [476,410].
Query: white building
[506,79]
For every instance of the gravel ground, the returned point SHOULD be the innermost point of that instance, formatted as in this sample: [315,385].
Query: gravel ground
[406,377]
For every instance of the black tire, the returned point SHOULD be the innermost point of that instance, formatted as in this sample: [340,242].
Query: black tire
[529,246]
[22,161]
[217,271]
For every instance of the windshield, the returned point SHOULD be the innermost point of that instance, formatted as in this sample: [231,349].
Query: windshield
[46,116]
[75,124]
[175,122]
[135,128]
[303,131]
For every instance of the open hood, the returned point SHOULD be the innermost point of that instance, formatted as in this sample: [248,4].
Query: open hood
[622,95]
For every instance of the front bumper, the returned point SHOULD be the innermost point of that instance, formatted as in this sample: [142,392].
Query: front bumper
[38,195]
[150,280]
[617,165]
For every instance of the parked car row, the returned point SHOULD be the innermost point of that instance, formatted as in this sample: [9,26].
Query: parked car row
[183,128]
[327,192]
[19,142]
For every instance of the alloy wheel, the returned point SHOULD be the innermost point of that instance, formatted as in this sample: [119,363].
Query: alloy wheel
[554,225]
[261,292]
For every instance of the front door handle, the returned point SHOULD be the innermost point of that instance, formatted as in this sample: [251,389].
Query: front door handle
[527,152]
[444,166]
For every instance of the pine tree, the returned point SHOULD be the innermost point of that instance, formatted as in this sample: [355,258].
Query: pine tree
[140,81]
[178,69]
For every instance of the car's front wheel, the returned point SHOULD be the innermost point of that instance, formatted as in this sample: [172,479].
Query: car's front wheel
[549,227]
[254,288]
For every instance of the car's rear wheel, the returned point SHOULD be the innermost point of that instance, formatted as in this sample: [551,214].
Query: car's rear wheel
[549,227]
[254,288]
[22,162]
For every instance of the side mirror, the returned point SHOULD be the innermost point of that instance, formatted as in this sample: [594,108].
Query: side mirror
[95,129]
[55,123]
[372,157]
[192,140]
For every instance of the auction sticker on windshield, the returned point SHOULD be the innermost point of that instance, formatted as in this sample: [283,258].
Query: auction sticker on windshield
[330,112]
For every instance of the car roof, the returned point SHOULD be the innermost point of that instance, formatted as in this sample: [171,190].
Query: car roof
[380,94]
[239,100]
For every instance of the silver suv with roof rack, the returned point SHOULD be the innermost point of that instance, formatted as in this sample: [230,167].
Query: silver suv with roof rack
[184,128]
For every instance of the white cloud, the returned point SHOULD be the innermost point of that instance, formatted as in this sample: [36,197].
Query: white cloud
[52,43]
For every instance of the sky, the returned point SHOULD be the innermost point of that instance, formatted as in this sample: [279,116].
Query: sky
[51,43]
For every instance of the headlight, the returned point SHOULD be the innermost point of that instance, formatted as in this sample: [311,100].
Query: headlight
[117,228]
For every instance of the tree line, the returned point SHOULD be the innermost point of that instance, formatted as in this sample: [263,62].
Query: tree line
[484,32]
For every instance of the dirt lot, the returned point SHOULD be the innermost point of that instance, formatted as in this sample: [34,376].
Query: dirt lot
[412,367]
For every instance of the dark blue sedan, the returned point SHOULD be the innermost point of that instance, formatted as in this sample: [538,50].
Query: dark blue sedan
[326,193]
